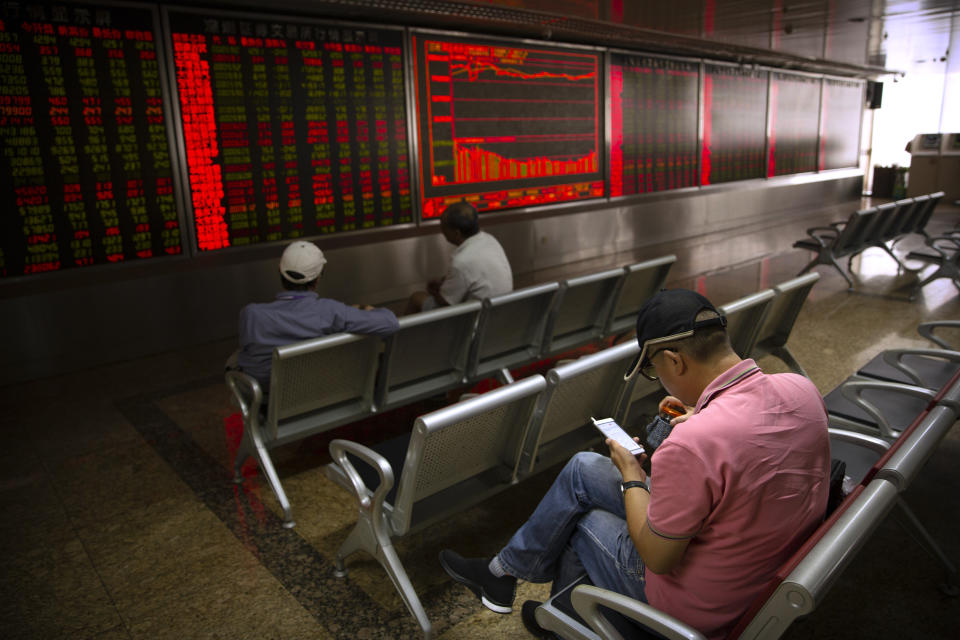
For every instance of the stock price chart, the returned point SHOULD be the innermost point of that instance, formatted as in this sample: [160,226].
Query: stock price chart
[505,126]
[85,153]
[653,119]
[734,124]
[290,129]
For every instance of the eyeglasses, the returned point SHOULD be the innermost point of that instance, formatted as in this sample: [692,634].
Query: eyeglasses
[648,370]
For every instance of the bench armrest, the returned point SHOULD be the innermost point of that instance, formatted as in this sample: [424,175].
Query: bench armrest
[586,599]
[248,394]
[829,234]
[946,246]
[925,329]
[853,390]
[369,500]
[894,358]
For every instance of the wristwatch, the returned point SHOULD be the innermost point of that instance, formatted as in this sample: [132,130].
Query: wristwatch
[633,483]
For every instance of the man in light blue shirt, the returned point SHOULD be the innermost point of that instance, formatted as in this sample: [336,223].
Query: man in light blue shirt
[299,313]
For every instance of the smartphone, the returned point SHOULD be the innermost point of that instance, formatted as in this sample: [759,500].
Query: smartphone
[615,432]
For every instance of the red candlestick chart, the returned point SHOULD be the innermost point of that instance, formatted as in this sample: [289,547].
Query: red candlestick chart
[503,126]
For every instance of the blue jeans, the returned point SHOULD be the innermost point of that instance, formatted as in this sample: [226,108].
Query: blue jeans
[579,526]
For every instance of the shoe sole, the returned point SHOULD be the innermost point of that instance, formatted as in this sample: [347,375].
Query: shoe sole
[476,588]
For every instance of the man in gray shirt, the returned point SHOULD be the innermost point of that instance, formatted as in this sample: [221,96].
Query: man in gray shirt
[299,313]
[478,267]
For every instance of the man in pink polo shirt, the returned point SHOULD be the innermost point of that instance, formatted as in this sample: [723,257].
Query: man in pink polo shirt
[734,490]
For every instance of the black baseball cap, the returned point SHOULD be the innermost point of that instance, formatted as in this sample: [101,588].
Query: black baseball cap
[671,314]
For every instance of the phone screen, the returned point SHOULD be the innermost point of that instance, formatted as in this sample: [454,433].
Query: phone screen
[612,430]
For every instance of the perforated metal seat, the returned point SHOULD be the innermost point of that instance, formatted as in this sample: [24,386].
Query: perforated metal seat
[745,318]
[315,385]
[640,282]
[456,457]
[510,330]
[427,355]
[591,386]
[773,334]
[581,311]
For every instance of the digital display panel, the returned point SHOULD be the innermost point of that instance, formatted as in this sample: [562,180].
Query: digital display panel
[794,124]
[290,128]
[504,125]
[653,121]
[85,153]
[734,124]
[840,123]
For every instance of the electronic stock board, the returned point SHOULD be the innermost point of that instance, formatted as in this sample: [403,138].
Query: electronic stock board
[83,138]
[794,123]
[653,122]
[840,123]
[291,128]
[734,123]
[504,125]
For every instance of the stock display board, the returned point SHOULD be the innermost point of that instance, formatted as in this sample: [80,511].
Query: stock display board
[734,124]
[291,128]
[504,125]
[794,123]
[840,123]
[653,121]
[84,147]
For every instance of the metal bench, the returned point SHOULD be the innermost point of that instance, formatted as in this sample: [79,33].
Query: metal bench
[774,333]
[510,331]
[591,386]
[315,385]
[838,240]
[581,311]
[454,458]
[745,317]
[427,355]
[639,283]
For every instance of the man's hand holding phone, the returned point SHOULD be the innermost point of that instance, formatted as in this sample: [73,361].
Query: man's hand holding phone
[625,452]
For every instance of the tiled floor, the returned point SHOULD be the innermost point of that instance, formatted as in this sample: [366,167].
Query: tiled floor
[119,519]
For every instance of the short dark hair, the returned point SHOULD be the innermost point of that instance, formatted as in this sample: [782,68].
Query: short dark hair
[462,217]
[293,286]
[705,343]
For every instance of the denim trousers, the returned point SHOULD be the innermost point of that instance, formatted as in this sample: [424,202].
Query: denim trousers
[579,526]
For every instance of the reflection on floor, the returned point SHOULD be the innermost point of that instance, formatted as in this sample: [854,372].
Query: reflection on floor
[120,520]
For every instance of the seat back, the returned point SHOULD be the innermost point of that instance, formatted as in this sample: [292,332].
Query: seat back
[804,580]
[462,454]
[321,383]
[427,355]
[640,282]
[510,329]
[581,311]
[901,218]
[851,237]
[920,204]
[924,216]
[591,386]
[745,318]
[783,312]
[876,232]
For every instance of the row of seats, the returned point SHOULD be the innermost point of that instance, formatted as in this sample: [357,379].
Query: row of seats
[872,227]
[462,454]
[881,471]
[319,384]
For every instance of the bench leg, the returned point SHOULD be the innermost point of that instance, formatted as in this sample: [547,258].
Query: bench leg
[915,528]
[252,444]
[366,537]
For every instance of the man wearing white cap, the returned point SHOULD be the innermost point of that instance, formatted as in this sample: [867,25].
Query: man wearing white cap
[298,313]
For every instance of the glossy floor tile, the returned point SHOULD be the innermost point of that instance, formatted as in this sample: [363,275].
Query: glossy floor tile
[120,519]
